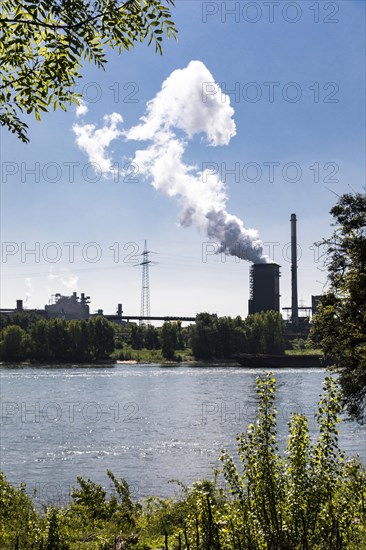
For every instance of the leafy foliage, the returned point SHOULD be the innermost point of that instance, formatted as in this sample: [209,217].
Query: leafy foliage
[297,502]
[169,339]
[29,336]
[340,325]
[43,44]
[221,337]
[18,517]
[57,340]
[13,343]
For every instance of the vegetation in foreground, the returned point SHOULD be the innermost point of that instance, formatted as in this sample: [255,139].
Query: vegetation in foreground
[339,328]
[45,43]
[310,498]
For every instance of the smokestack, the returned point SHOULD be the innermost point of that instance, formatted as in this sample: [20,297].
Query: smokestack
[294,305]
[264,288]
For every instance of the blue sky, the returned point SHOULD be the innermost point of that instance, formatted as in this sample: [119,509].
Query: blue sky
[263,62]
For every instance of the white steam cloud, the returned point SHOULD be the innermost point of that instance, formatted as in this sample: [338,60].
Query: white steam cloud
[81,109]
[30,289]
[67,279]
[183,103]
[184,107]
[96,142]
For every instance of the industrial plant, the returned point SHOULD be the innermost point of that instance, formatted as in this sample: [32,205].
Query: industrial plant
[264,295]
[68,307]
[264,291]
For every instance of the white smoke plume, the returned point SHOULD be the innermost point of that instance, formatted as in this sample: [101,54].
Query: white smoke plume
[178,112]
[96,142]
[30,290]
[66,278]
[184,102]
[81,109]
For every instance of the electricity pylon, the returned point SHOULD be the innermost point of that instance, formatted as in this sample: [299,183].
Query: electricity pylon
[145,287]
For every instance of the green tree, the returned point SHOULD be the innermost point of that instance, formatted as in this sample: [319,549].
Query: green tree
[39,334]
[19,521]
[101,337]
[265,332]
[169,340]
[24,319]
[204,336]
[13,342]
[151,337]
[92,515]
[256,333]
[44,43]
[79,337]
[55,538]
[340,324]
[90,499]
[302,501]
[180,335]
[225,334]
[274,332]
[137,336]
[59,341]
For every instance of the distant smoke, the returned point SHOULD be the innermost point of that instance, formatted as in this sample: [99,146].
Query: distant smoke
[30,290]
[182,106]
[67,279]
[234,238]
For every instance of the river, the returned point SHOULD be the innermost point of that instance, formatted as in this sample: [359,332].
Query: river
[149,424]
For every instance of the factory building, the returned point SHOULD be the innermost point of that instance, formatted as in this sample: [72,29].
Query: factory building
[264,295]
[68,307]
[264,288]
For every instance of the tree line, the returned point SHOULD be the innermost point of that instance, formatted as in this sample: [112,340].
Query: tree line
[211,336]
[27,336]
[221,337]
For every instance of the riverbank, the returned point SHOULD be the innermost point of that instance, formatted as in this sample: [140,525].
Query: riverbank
[311,361]
[291,359]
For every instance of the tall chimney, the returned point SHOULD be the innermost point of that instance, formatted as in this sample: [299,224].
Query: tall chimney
[294,305]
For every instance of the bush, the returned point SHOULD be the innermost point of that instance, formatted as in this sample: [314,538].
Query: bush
[301,501]
[19,521]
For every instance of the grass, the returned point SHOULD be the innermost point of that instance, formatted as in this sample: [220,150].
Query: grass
[303,352]
[155,355]
[149,355]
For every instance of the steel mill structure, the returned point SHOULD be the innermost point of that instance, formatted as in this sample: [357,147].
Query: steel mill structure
[264,288]
[264,295]
[294,301]
[264,292]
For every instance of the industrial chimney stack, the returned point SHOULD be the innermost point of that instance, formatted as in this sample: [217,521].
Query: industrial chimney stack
[294,304]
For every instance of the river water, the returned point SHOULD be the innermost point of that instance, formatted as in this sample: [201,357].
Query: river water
[149,424]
